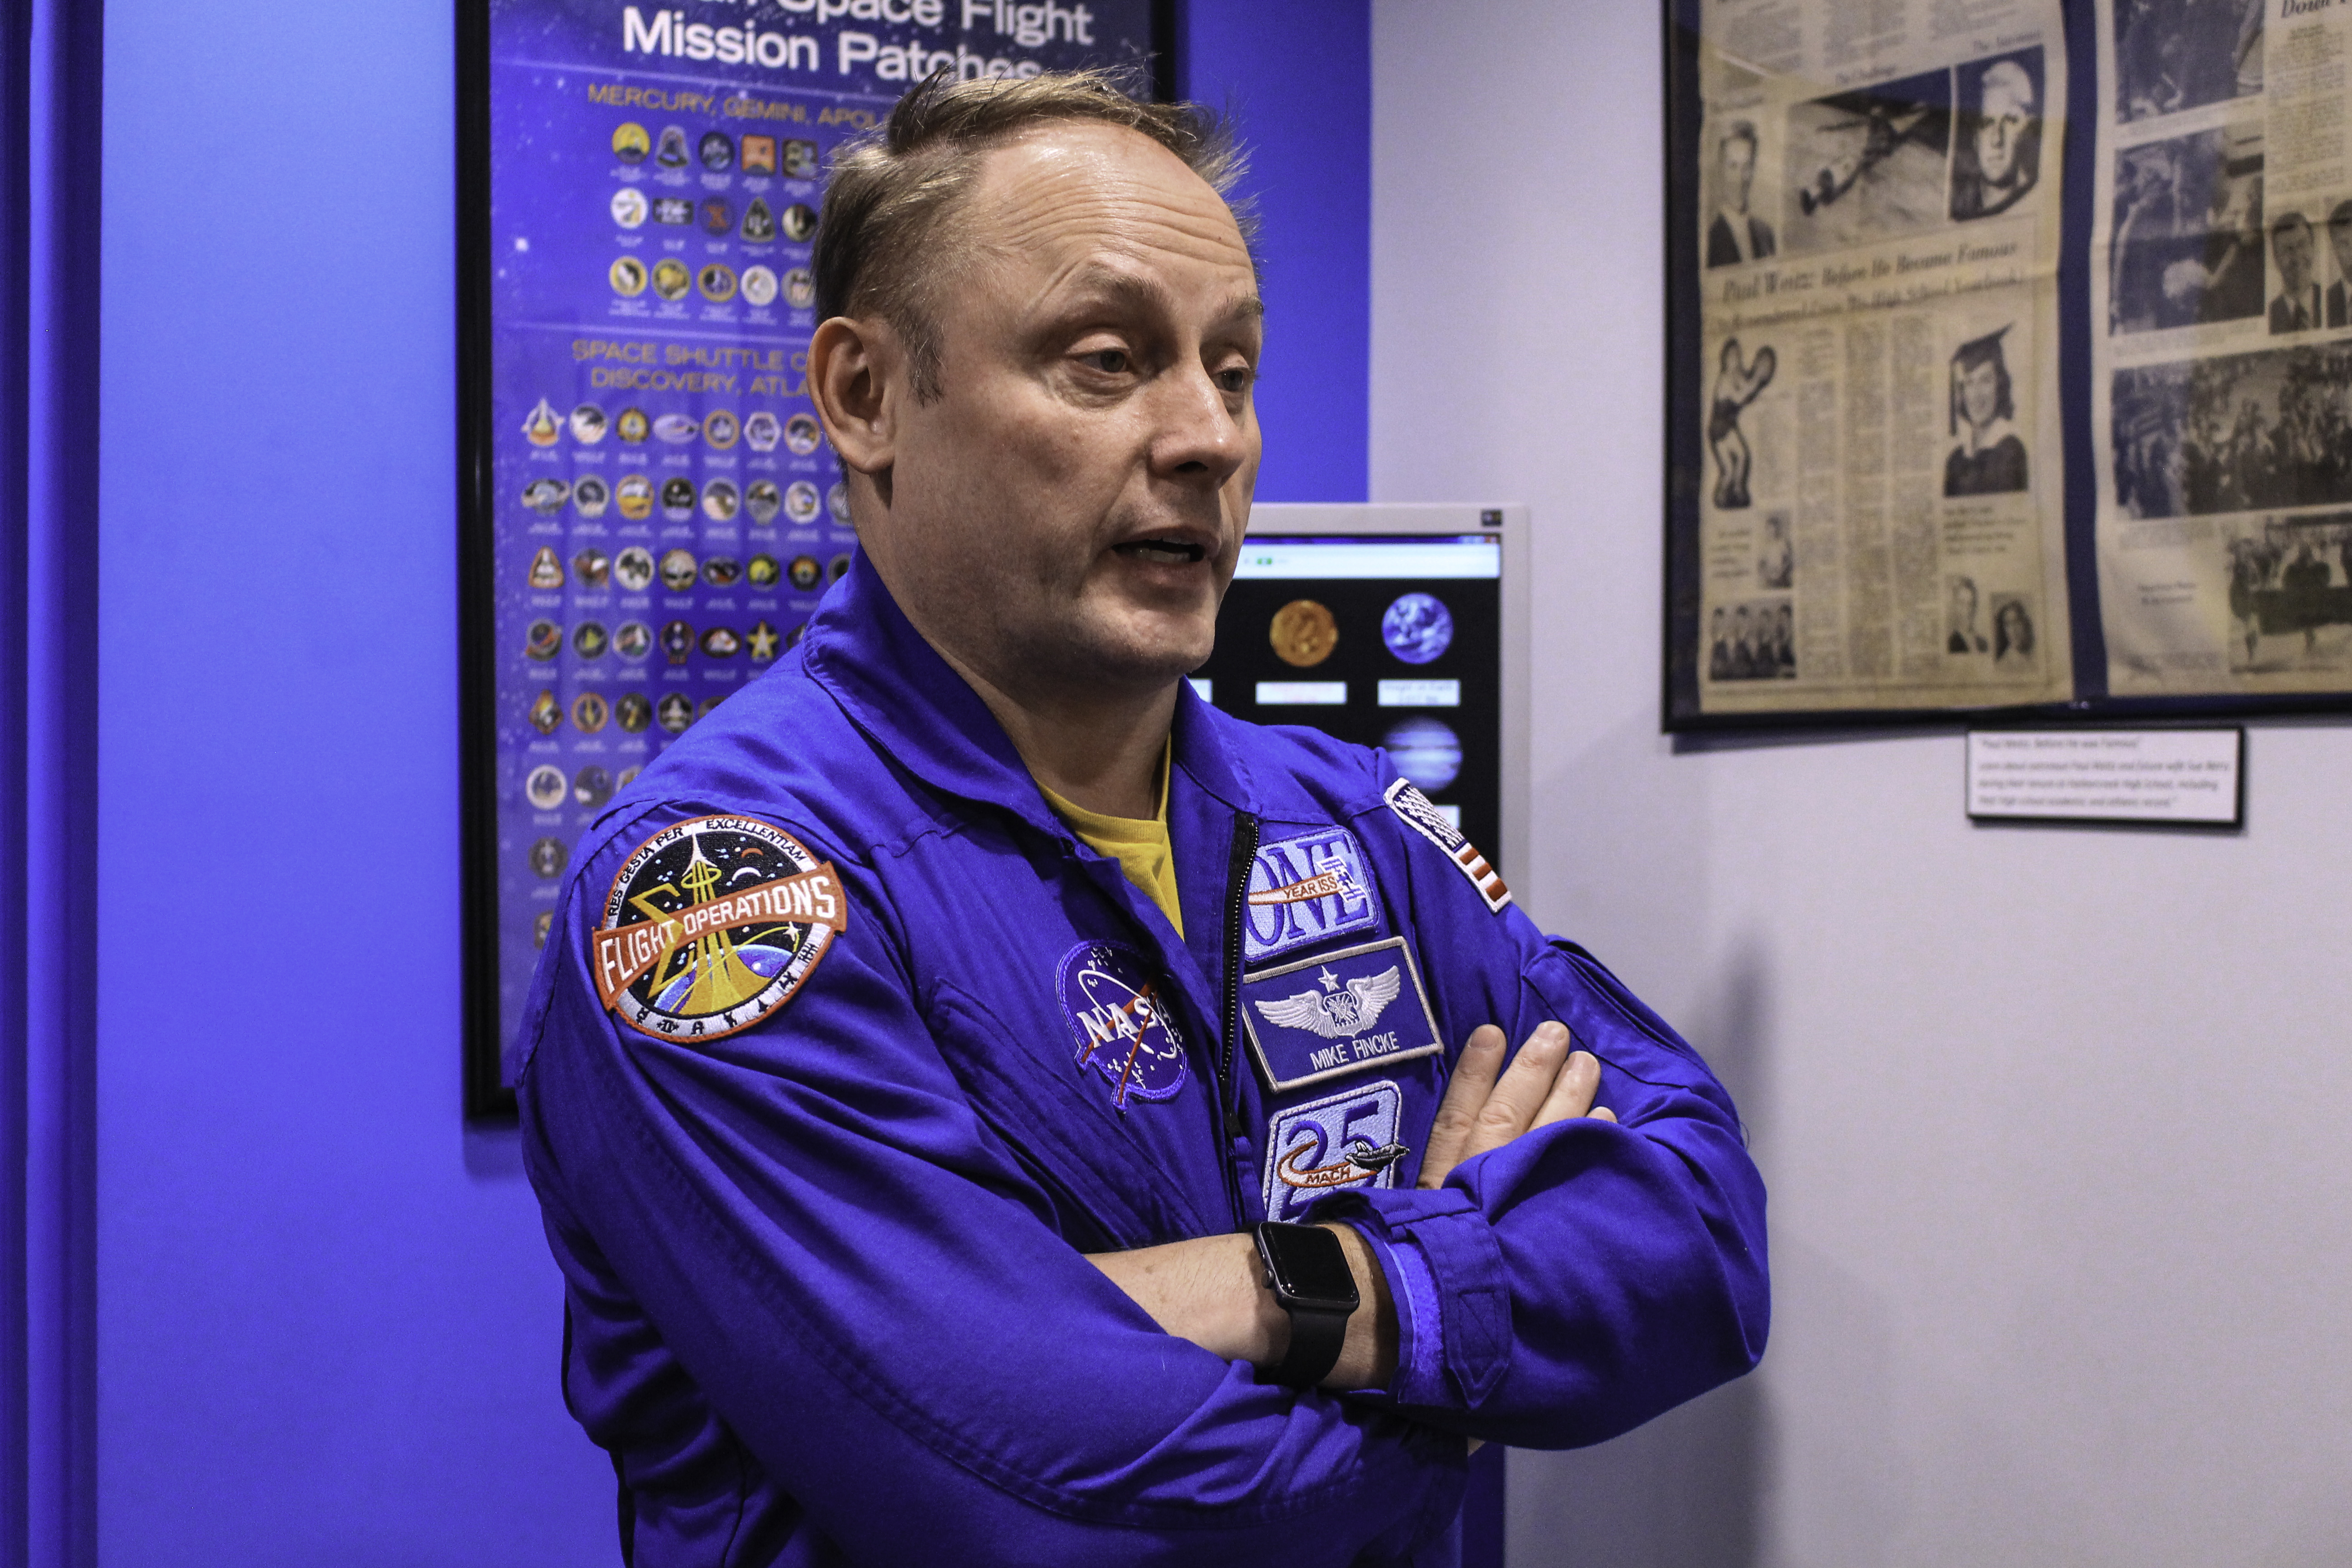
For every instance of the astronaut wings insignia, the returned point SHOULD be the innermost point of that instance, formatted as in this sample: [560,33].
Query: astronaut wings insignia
[1336,1013]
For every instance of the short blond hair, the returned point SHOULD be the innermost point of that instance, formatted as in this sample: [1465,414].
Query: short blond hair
[892,191]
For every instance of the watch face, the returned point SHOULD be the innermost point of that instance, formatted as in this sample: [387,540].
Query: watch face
[1309,1266]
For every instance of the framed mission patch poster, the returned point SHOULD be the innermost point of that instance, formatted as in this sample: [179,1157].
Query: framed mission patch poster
[649,511]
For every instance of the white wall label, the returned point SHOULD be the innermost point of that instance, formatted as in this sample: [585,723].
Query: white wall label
[1297,693]
[2107,775]
[1420,694]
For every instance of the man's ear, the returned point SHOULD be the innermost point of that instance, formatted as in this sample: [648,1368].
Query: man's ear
[856,378]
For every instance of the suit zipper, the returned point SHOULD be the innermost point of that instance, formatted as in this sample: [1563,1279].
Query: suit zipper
[1229,1110]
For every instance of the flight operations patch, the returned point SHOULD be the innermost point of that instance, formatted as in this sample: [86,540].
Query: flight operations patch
[1304,889]
[1415,810]
[1337,1012]
[711,925]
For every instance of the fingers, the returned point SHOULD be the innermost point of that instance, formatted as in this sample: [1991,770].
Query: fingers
[1520,1092]
[1572,1090]
[1465,1095]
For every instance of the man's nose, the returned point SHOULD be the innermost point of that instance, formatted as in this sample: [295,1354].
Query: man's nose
[1197,438]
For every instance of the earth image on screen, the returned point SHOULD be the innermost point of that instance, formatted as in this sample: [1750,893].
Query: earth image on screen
[1417,628]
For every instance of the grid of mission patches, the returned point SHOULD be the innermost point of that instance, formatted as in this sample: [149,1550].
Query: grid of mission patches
[736,557]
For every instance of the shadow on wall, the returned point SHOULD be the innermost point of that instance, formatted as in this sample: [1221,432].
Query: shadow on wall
[1688,1487]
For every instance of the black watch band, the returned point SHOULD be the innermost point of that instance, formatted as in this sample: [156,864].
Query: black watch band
[1306,1269]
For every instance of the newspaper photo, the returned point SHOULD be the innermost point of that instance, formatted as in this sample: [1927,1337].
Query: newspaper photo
[1881,512]
[2221,356]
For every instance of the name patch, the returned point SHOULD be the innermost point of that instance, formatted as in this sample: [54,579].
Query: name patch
[1304,889]
[1331,1145]
[1339,1013]
[1112,998]
[711,925]
[1414,810]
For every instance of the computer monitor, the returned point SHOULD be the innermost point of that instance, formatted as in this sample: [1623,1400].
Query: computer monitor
[1398,626]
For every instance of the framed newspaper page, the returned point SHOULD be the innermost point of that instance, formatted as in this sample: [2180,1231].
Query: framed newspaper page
[648,513]
[1867,463]
[2220,362]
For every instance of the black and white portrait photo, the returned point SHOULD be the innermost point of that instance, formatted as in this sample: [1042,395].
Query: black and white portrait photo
[2294,252]
[1997,154]
[1734,234]
[2012,633]
[1989,458]
[1961,635]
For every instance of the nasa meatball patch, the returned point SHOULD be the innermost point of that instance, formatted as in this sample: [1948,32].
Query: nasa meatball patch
[1415,811]
[1337,1012]
[711,925]
[1112,995]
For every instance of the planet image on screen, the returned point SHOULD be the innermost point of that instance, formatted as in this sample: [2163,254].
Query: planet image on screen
[1303,634]
[1424,751]
[1417,628]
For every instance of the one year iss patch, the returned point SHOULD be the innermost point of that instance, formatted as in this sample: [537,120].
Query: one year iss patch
[711,925]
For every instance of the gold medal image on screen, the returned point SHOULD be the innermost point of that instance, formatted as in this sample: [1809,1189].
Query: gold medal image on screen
[671,279]
[546,714]
[634,425]
[716,281]
[629,276]
[589,713]
[630,143]
[1303,634]
[711,925]
[719,428]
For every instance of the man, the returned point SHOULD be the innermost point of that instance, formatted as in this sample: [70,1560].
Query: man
[2001,161]
[922,1037]
[1735,235]
[2296,309]
[2339,240]
[1964,638]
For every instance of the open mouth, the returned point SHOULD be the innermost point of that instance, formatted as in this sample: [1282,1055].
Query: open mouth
[1162,552]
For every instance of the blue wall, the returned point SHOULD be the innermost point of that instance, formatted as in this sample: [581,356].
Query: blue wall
[1297,73]
[328,1323]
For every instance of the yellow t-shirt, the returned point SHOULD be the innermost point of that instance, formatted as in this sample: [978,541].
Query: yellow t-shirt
[1141,847]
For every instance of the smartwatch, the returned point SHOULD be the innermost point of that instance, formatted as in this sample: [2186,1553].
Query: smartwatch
[1306,1269]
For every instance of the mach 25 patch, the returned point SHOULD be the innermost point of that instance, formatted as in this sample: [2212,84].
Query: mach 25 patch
[711,925]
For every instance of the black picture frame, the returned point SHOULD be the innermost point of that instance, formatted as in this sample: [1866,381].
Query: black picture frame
[1678,705]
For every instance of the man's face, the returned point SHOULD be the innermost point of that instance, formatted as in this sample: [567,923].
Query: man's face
[2292,244]
[1738,172]
[2008,109]
[1964,604]
[1981,391]
[2339,240]
[1067,514]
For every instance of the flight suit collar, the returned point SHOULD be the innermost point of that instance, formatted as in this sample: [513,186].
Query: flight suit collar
[897,689]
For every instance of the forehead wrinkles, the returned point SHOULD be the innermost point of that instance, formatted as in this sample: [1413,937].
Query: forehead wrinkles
[1039,199]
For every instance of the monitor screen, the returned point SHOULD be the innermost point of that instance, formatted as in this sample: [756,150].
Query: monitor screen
[1392,641]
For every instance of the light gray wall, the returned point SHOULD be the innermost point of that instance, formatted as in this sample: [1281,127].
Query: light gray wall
[2055,1122]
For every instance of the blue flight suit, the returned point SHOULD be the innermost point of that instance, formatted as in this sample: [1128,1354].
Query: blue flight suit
[844,1048]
